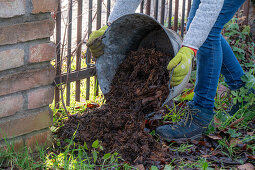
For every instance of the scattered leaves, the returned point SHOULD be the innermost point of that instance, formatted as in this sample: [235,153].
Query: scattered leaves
[247,166]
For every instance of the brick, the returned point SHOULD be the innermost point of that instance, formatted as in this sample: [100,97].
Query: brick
[11,8]
[40,97]
[44,6]
[11,59]
[26,124]
[42,52]
[10,105]
[41,138]
[26,80]
[13,34]
[17,144]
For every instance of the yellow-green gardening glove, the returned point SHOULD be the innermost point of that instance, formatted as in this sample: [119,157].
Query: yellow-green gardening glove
[181,64]
[95,42]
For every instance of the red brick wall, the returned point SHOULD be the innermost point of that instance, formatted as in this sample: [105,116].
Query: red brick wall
[26,74]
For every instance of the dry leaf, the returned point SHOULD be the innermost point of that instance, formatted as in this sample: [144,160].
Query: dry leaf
[236,122]
[247,166]
[92,105]
[217,152]
[251,157]
[242,18]
[140,167]
[217,122]
[251,133]
[206,156]
[215,137]
[235,141]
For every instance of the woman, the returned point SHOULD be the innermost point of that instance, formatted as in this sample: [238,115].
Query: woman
[214,57]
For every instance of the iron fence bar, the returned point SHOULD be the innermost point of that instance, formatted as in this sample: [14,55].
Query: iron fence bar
[156,9]
[170,14]
[69,50]
[108,9]
[88,56]
[183,17]
[99,14]
[163,6]
[176,15]
[78,52]
[58,42]
[142,6]
[99,18]
[189,7]
[75,75]
[148,7]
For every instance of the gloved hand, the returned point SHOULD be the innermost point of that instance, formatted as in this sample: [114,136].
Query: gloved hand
[181,64]
[95,42]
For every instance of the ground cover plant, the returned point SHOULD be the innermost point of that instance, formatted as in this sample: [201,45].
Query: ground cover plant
[230,144]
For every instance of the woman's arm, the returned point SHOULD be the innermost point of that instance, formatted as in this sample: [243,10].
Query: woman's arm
[123,7]
[205,17]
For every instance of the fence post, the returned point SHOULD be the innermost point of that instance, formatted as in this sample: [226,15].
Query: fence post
[69,49]
[156,9]
[189,6]
[108,9]
[162,17]
[78,53]
[58,42]
[99,18]
[148,7]
[88,56]
[176,15]
[183,17]
[170,14]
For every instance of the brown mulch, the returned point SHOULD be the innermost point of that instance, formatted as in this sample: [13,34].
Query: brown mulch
[139,87]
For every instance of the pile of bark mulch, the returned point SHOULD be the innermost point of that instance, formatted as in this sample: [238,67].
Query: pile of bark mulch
[139,87]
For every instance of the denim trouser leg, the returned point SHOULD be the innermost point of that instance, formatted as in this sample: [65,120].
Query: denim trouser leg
[231,69]
[215,56]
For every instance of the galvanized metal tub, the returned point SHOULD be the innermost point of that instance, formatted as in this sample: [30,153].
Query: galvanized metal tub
[129,33]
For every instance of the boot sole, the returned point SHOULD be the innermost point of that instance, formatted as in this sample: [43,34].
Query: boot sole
[196,137]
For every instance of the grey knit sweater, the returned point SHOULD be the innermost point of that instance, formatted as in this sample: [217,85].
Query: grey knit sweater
[205,18]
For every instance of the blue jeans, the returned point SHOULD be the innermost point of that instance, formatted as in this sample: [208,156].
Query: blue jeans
[216,57]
